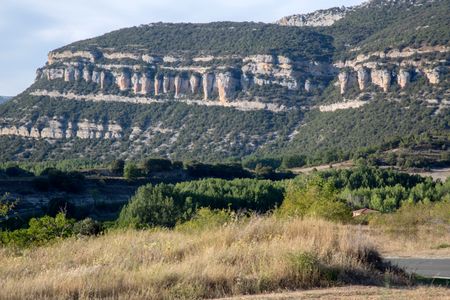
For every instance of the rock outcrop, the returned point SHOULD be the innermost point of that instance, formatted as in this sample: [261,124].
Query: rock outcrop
[344,81]
[208,82]
[319,18]
[382,78]
[433,75]
[58,128]
[363,78]
[226,85]
[222,78]
[403,78]
[208,85]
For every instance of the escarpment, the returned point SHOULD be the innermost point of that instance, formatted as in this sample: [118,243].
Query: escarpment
[401,68]
[59,128]
[211,78]
[337,79]
[225,79]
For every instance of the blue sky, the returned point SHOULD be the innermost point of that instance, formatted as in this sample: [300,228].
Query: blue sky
[29,29]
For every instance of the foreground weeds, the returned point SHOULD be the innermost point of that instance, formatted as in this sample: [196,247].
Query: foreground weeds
[256,256]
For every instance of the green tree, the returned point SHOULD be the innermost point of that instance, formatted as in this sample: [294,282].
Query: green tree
[131,171]
[314,197]
[156,165]
[7,204]
[117,166]
[158,205]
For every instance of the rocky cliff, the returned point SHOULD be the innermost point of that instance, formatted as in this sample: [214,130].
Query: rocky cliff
[319,18]
[210,78]
[233,89]
[393,68]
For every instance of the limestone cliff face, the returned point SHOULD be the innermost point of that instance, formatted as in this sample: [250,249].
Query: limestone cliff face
[226,85]
[208,80]
[383,70]
[363,78]
[345,79]
[403,78]
[381,78]
[214,78]
[58,128]
[319,18]
[433,75]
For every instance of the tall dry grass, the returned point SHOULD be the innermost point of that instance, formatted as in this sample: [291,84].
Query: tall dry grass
[261,255]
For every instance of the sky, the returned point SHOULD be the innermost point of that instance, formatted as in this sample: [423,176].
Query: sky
[29,29]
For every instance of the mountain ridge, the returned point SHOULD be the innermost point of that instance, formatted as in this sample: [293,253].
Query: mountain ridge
[151,89]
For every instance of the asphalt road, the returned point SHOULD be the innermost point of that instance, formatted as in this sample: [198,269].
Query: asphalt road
[427,267]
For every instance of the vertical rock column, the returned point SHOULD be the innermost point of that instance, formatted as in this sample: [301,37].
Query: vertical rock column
[382,78]
[136,83]
[208,85]
[146,84]
[403,78]
[124,81]
[226,85]
[158,85]
[195,83]
[363,78]
[344,79]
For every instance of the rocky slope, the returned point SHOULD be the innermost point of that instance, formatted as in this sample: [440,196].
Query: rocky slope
[316,19]
[4,99]
[206,91]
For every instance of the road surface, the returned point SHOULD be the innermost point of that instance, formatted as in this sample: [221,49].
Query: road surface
[427,267]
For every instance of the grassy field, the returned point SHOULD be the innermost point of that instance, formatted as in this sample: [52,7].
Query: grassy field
[259,255]
[427,241]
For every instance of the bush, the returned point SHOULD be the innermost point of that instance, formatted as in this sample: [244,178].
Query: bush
[17,172]
[72,182]
[87,227]
[158,205]
[293,161]
[207,218]
[314,197]
[40,231]
[131,171]
[156,165]
[411,215]
[224,171]
[238,194]
[60,205]
[117,166]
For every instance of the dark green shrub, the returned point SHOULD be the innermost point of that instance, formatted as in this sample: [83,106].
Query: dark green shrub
[117,166]
[158,205]
[17,172]
[293,161]
[40,232]
[72,182]
[87,227]
[131,171]
[156,165]
[60,205]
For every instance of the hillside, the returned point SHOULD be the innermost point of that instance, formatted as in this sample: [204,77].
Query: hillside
[3,99]
[336,81]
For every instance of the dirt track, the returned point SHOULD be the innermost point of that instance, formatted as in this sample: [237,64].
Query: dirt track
[357,292]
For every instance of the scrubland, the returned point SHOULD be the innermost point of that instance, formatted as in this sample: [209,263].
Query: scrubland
[251,256]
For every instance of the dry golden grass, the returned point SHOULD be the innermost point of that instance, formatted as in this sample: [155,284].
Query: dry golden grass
[262,255]
[426,241]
